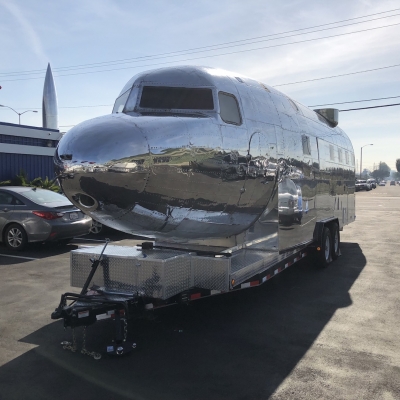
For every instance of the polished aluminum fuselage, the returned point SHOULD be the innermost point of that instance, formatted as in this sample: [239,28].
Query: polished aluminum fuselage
[187,177]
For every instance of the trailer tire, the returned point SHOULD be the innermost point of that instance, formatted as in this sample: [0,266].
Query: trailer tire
[325,253]
[335,241]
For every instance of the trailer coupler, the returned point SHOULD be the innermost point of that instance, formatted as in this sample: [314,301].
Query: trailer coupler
[86,309]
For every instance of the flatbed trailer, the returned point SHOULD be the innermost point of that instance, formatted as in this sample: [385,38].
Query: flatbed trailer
[126,283]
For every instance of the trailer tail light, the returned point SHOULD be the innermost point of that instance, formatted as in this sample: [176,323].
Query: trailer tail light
[48,214]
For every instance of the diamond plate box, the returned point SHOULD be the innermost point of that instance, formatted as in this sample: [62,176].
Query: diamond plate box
[154,273]
[211,273]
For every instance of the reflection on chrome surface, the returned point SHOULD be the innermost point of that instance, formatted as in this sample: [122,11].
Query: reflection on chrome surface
[255,170]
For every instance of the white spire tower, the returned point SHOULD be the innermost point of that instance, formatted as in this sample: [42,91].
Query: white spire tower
[49,103]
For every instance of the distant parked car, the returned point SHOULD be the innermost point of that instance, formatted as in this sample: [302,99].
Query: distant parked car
[382,183]
[38,215]
[392,183]
[372,182]
[362,185]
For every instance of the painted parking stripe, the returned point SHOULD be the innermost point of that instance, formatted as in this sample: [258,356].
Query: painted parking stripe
[24,258]
[90,240]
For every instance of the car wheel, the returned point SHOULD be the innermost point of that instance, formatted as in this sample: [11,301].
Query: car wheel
[96,227]
[335,241]
[15,237]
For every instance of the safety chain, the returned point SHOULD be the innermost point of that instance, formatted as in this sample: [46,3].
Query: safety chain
[125,329]
[68,345]
[93,354]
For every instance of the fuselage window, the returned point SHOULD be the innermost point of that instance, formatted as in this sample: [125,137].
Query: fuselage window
[176,98]
[229,108]
[340,155]
[306,145]
[120,102]
[331,153]
[346,154]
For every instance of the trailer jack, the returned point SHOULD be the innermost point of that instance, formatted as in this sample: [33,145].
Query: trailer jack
[95,304]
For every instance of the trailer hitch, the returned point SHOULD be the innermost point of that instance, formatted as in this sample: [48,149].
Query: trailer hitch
[89,306]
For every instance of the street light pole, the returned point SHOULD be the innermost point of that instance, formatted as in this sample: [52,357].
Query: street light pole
[19,114]
[370,144]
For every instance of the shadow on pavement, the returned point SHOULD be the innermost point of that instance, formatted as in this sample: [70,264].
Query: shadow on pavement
[240,345]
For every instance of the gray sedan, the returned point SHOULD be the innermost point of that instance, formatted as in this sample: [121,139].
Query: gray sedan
[37,215]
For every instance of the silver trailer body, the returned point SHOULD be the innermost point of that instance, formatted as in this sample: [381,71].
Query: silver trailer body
[196,157]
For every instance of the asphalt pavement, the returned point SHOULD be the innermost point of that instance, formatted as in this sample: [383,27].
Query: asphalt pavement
[306,334]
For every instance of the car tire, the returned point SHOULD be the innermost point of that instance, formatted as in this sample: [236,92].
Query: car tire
[96,227]
[335,241]
[15,237]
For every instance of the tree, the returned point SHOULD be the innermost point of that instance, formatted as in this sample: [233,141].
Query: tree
[22,180]
[396,176]
[398,165]
[45,184]
[382,172]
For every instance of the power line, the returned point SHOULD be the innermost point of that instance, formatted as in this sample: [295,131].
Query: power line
[352,109]
[316,105]
[162,55]
[337,76]
[193,51]
[39,108]
[354,101]
[214,55]
[366,108]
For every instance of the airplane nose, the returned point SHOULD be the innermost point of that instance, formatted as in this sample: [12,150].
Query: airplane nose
[103,161]
[102,140]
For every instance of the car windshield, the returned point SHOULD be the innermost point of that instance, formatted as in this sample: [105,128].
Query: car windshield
[41,196]
[177,98]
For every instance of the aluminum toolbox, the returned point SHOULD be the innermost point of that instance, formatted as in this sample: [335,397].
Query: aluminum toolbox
[163,273]
[154,273]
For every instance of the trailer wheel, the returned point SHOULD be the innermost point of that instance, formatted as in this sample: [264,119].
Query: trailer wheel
[325,252]
[335,241]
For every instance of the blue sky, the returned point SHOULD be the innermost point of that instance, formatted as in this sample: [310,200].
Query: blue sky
[73,34]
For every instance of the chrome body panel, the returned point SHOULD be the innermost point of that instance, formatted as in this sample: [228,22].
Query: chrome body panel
[187,178]
[49,102]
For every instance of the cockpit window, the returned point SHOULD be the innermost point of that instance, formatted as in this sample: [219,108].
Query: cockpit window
[120,102]
[176,98]
[229,108]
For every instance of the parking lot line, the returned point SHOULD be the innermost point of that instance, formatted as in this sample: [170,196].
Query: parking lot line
[25,258]
[91,240]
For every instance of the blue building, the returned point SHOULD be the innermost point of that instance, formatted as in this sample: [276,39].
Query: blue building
[27,148]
